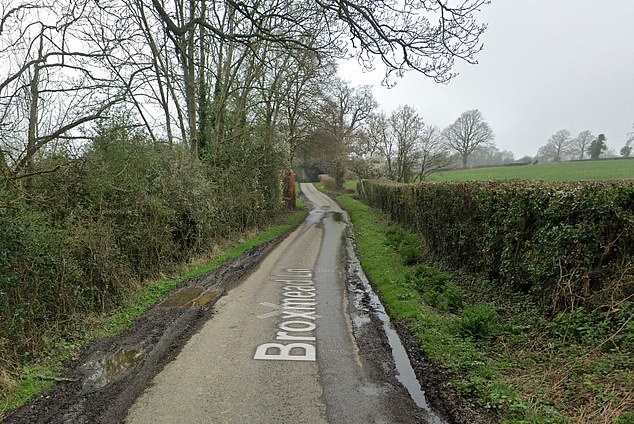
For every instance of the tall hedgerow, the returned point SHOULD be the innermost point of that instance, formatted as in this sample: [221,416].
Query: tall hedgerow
[566,242]
[81,239]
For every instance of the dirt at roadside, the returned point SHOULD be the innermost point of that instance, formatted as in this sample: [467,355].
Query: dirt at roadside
[110,374]
[434,381]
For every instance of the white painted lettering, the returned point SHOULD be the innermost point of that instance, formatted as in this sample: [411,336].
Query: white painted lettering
[303,326]
[298,311]
[299,295]
[294,314]
[294,282]
[300,288]
[283,335]
[296,304]
[289,352]
[307,272]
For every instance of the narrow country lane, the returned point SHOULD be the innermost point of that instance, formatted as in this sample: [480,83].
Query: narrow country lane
[280,346]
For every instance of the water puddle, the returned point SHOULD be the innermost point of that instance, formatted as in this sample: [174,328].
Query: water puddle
[314,218]
[189,296]
[108,368]
[368,299]
[122,361]
[205,298]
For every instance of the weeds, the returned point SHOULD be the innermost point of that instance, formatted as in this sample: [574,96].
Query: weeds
[479,322]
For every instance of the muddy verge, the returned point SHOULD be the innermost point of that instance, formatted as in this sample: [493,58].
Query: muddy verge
[435,382]
[441,403]
[110,374]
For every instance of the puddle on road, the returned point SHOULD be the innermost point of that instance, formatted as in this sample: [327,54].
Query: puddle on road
[317,215]
[189,296]
[105,368]
[404,372]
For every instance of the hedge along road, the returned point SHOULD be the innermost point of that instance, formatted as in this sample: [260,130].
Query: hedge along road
[280,347]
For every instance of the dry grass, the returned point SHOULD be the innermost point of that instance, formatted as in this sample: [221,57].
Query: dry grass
[7,382]
[571,382]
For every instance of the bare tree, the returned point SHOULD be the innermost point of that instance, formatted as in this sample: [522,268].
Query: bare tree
[433,152]
[301,92]
[344,110]
[557,148]
[364,160]
[425,35]
[379,133]
[469,132]
[626,150]
[491,156]
[407,129]
[580,144]
[53,85]
[195,60]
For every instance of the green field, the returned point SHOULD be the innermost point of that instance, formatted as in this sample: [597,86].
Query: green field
[586,170]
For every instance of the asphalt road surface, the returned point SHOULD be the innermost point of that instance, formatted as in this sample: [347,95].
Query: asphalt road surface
[281,346]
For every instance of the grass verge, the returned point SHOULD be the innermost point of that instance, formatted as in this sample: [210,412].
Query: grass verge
[503,353]
[43,371]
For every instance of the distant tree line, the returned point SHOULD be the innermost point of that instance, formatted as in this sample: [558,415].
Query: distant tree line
[399,146]
[561,146]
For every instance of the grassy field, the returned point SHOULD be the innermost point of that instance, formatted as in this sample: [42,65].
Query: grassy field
[586,170]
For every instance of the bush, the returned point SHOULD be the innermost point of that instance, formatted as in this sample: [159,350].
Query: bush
[626,418]
[436,289]
[408,245]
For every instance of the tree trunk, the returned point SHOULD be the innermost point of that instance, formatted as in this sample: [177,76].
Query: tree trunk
[34,91]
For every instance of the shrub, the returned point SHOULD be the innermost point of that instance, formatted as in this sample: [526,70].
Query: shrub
[626,418]
[407,244]
[479,321]
[453,298]
[436,289]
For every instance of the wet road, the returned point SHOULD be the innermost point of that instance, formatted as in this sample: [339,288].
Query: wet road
[280,347]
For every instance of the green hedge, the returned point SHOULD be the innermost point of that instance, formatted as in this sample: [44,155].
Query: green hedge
[563,241]
[83,238]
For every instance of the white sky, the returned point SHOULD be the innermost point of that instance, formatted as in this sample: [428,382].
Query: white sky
[546,65]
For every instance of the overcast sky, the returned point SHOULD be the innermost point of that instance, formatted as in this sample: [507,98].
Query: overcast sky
[547,65]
